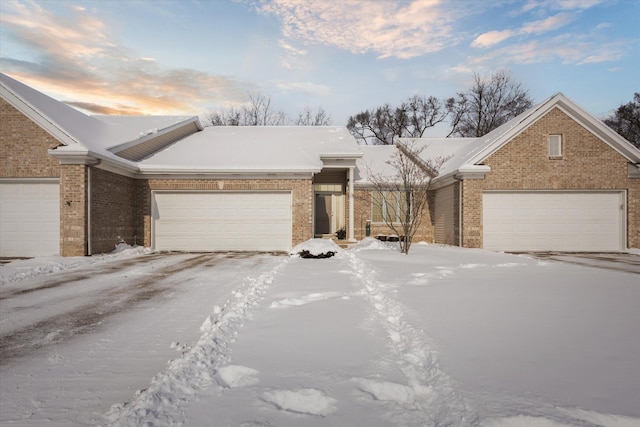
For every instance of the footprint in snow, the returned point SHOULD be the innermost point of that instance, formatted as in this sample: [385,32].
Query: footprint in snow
[306,401]
[306,299]
[386,391]
[233,376]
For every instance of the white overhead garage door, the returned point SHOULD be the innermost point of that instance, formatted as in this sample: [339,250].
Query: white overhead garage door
[29,218]
[222,221]
[581,221]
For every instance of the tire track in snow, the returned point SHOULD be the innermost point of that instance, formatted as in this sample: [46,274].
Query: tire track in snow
[431,393]
[162,403]
[63,326]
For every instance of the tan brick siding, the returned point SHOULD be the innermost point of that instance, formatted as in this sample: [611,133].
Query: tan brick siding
[23,146]
[115,215]
[362,213]
[73,214]
[472,213]
[524,164]
[301,190]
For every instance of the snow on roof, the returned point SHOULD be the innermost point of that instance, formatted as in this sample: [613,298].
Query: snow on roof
[469,153]
[235,149]
[73,126]
[375,161]
[454,150]
[76,129]
[134,127]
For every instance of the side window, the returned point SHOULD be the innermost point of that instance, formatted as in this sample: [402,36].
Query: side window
[555,146]
[389,206]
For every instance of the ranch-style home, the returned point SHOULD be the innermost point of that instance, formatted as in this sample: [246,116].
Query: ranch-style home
[554,178]
[73,184]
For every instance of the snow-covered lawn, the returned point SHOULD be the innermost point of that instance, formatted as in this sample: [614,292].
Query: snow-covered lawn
[443,336]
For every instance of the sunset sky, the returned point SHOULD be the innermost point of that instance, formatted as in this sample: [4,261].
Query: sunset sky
[191,56]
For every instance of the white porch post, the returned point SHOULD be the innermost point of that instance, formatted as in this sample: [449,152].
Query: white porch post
[351,207]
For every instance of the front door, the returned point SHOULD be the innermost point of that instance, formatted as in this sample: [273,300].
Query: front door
[329,215]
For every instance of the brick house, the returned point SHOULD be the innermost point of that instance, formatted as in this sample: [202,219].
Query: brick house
[77,185]
[555,178]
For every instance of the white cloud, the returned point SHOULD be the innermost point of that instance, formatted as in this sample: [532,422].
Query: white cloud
[76,60]
[389,29]
[291,49]
[491,38]
[566,48]
[304,87]
[548,24]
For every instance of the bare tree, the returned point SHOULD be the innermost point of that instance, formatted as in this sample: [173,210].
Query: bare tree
[228,117]
[307,117]
[384,124]
[402,198]
[489,103]
[626,120]
[257,112]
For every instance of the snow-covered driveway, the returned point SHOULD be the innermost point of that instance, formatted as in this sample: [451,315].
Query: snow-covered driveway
[444,336]
[90,334]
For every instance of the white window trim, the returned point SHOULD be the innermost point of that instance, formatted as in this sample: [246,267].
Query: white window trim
[554,146]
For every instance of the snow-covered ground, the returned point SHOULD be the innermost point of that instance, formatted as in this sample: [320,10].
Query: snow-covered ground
[443,336]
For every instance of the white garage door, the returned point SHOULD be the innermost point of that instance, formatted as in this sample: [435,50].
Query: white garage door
[221,221]
[589,221]
[29,218]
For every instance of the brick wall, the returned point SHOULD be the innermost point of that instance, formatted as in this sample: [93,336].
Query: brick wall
[115,215]
[73,212]
[362,213]
[301,190]
[23,146]
[471,193]
[587,163]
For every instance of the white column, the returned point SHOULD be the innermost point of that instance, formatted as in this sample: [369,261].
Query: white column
[351,207]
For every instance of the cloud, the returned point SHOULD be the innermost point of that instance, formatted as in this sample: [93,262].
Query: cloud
[304,87]
[75,59]
[538,27]
[290,49]
[548,24]
[561,4]
[386,28]
[491,38]
[566,48]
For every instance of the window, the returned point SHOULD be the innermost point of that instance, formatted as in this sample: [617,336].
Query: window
[388,206]
[555,146]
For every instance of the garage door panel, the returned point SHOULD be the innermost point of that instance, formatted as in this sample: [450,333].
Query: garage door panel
[29,218]
[207,221]
[561,221]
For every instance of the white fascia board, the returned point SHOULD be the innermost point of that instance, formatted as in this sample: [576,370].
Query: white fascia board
[338,162]
[225,176]
[354,155]
[509,134]
[472,172]
[69,155]
[159,170]
[35,115]
[600,130]
[464,172]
